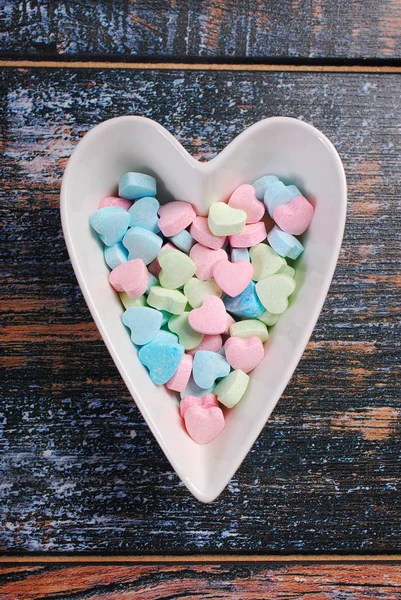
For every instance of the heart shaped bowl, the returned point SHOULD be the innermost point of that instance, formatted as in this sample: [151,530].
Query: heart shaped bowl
[291,149]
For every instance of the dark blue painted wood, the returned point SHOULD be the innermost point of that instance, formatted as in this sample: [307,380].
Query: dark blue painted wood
[213,29]
[80,471]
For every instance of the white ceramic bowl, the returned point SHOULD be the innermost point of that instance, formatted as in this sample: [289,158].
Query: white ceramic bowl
[286,147]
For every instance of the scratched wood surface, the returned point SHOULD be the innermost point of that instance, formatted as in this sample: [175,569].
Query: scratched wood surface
[264,29]
[80,471]
[233,582]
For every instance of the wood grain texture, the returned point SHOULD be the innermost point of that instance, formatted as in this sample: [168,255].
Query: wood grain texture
[265,29]
[233,582]
[80,470]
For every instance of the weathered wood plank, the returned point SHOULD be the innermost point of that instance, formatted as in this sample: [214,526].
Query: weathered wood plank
[234,582]
[80,469]
[240,29]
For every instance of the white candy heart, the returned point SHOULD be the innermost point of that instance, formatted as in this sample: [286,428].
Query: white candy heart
[285,146]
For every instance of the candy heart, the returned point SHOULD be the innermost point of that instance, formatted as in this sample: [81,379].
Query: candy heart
[166,338]
[183,241]
[239,254]
[284,244]
[180,379]
[244,354]
[205,401]
[192,389]
[196,291]
[201,233]
[244,198]
[276,193]
[209,342]
[249,328]
[132,302]
[224,220]
[261,185]
[154,267]
[210,318]
[233,278]
[187,337]
[176,269]
[175,216]
[142,243]
[265,261]
[250,236]
[294,217]
[268,318]
[110,223]
[273,292]
[115,255]
[171,301]
[130,277]
[287,270]
[293,190]
[204,259]
[136,185]
[204,424]
[144,214]
[207,367]
[161,359]
[115,201]
[231,389]
[246,304]
[144,323]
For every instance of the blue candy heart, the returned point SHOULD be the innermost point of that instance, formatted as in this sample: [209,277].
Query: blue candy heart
[115,255]
[142,243]
[194,390]
[162,360]
[144,214]
[246,304]
[111,223]
[207,367]
[143,322]
[284,243]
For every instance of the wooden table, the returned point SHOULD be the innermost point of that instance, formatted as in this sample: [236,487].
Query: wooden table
[90,507]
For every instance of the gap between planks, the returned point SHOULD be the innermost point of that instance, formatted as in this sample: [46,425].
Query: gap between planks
[205,558]
[161,66]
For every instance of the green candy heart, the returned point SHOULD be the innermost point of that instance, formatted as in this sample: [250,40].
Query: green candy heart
[176,269]
[225,220]
[273,292]
[171,301]
[196,291]
[265,261]
[232,388]
[132,302]
[249,328]
[268,318]
[287,270]
[187,337]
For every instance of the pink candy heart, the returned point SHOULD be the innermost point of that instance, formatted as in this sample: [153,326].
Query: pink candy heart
[115,201]
[233,278]
[204,259]
[210,318]
[244,198]
[204,424]
[201,233]
[209,342]
[251,235]
[206,401]
[179,380]
[294,217]
[244,354]
[130,277]
[175,217]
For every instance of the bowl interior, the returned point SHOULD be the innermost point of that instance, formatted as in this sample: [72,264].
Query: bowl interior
[289,148]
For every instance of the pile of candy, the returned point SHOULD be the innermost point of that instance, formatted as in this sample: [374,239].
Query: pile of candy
[199,319]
